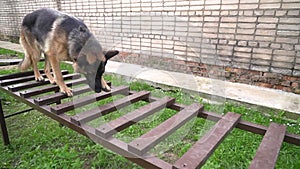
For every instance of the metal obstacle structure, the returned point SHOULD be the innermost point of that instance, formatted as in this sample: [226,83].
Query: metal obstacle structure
[24,88]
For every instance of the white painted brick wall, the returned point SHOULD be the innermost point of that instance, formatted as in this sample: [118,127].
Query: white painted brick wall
[257,35]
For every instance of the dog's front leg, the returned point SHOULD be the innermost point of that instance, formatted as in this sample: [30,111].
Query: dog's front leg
[58,76]
[47,70]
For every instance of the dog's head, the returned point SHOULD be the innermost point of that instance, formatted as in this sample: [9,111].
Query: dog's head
[91,62]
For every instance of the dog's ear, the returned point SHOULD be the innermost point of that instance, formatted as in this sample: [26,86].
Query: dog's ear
[111,53]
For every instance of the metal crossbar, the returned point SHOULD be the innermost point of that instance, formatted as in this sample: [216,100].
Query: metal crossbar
[47,99]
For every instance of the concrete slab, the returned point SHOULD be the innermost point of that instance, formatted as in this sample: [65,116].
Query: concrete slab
[255,95]
[260,96]
[11,46]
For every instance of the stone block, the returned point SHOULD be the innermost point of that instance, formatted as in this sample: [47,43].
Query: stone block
[296,72]
[229,7]
[262,50]
[243,49]
[265,32]
[282,65]
[247,19]
[275,45]
[266,25]
[281,12]
[284,52]
[287,40]
[291,20]
[228,19]
[245,31]
[240,65]
[289,27]
[269,6]
[228,25]
[281,71]
[264,38]
[226,30]
[260,62]
[294,12]
[288,33]
[291,5]
[270,1]
[244,37]
[253,43]
[269,12]
[224,52]
[242,55]
[242,43]
[211,19]
[262,56]
[267,20]
[260,68]
[248,6]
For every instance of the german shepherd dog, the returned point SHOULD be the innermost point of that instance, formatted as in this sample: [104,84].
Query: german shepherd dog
[61,37]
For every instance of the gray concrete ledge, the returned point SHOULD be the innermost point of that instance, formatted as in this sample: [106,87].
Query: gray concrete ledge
[255,95]
[11,46]
[265,97]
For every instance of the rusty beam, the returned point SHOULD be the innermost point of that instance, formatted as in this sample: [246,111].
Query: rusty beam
[30,84]
[12,81]
[67,106]
[197,155]
[252,127]
[127,120]
[142,144]
[17,75]
[107,108]
[267,153]
[56,97]
[49,88]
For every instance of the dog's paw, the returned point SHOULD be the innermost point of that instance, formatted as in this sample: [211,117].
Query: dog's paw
[104,85]
[106,88]
[68,91]
[39,78]
[52,81]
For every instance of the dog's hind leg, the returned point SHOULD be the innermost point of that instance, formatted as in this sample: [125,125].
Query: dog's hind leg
[32,53]
[47,70]
[26,62]
[35,60]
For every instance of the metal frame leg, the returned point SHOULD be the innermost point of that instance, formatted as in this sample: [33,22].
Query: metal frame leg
[3,126]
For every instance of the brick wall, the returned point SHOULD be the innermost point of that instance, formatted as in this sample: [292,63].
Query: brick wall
[245,40]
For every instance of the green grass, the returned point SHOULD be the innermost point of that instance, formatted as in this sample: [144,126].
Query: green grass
[10,52]
[39,142]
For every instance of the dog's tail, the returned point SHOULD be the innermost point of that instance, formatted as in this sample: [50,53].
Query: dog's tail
[26,39]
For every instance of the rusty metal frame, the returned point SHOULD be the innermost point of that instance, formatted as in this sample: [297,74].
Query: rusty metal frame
[22,87]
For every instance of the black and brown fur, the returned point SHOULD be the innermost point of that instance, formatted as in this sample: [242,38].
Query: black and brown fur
[61,37]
